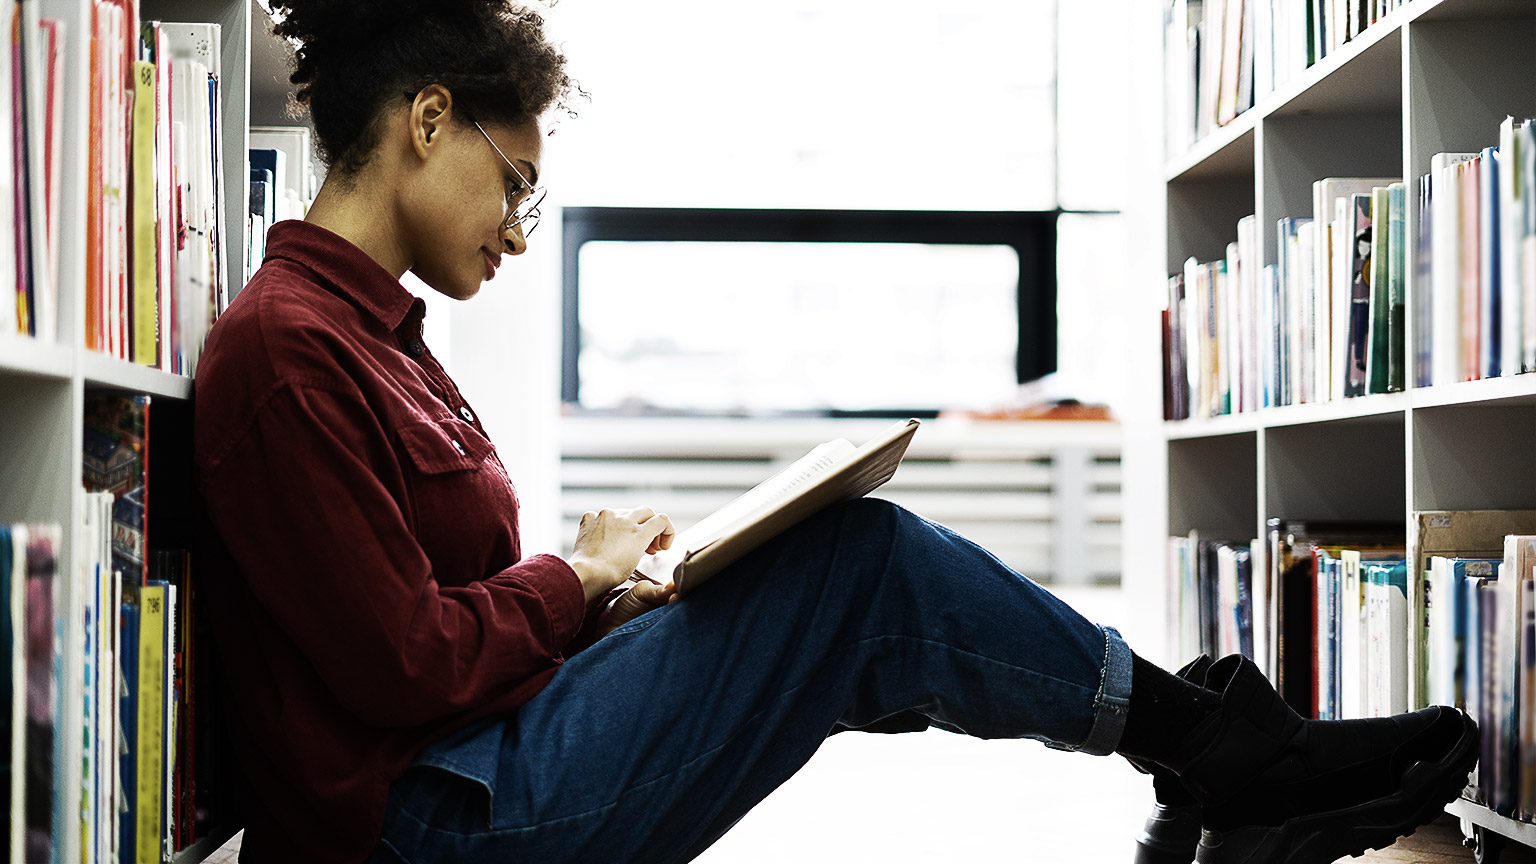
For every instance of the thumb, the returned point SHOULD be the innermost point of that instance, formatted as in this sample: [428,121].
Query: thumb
[651,593]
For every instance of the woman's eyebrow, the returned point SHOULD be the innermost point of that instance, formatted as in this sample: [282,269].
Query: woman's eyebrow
[532,174]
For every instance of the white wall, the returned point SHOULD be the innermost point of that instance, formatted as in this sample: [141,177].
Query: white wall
[811,103]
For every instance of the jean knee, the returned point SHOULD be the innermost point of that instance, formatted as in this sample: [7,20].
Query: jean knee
[874,519]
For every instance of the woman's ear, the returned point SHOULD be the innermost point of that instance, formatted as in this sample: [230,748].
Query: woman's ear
[430,114]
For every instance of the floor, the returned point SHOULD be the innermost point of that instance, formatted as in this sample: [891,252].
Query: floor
[945,799]
[938,798]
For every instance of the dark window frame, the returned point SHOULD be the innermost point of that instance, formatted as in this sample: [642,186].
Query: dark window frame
[1031,234]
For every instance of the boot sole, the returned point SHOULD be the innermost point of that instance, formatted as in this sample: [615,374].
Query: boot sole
[1323,838]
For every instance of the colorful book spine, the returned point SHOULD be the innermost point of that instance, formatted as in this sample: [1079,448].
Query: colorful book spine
[149,801]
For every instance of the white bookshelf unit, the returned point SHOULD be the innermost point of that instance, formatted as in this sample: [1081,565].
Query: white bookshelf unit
[43,385]
[1431,76]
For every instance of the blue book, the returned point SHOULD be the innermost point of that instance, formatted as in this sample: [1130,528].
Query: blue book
[128,718]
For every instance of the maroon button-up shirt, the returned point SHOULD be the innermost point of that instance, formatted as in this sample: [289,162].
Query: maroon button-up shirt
[365,578]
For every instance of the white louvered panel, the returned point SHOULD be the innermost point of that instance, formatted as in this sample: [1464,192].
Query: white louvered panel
[993,483]
[664,473]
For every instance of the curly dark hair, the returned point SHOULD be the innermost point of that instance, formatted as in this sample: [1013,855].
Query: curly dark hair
[351,59]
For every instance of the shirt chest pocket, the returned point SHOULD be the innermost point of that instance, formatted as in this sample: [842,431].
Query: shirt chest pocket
[459,500]
[444,446]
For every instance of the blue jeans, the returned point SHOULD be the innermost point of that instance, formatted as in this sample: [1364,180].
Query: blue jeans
[649,745]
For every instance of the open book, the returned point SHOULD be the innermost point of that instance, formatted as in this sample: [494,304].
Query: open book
[831,473]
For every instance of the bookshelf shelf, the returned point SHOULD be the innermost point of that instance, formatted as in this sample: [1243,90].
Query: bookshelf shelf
[1226,152]
[1230,424]
[1428,77]
[1361,78]
[24,356]
[45,386]
[1472,10]
[101,370]
[1515,388]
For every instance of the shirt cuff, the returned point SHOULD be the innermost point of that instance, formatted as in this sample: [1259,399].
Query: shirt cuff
[557,584]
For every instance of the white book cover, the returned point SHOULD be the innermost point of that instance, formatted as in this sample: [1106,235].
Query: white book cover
[1259,598]
[1252,328]
[196,64]
[1445,267]
[1307,344]
[1212,30]
[1264,50]
[1352,634]
[1511,316]
[1193,324]
[1442,642]
[1525,137]
[1230,346]
[1386,597]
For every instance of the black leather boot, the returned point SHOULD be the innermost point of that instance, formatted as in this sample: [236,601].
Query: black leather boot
[1275,788]
[1172,830]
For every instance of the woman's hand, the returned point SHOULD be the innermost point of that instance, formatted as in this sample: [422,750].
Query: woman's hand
[633,603]
[610,543]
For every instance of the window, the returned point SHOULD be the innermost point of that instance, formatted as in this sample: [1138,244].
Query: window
[791,311]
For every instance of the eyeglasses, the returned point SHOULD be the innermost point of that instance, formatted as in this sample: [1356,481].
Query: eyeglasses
[525,212]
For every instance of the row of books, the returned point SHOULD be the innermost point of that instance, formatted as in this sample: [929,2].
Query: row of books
[154,202]
[1322,607]
[31,85]
[1476,296]
[283,184]
[110,745]
[1350,620]
[1223,55]
[29,569]
[153,250]
[1327,321]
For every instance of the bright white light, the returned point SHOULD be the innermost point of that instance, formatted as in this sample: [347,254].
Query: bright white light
[858,104]
[765,327]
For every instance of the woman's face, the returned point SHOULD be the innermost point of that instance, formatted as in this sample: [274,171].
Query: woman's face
[463,199]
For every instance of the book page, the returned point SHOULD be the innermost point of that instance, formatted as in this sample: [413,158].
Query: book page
[746,508]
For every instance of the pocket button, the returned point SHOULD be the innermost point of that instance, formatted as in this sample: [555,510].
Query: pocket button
[459,447]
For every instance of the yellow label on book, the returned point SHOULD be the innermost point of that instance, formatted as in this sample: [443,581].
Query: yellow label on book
[146,329]
[148,804]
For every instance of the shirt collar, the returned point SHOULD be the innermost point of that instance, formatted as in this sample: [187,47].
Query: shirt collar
[347,268]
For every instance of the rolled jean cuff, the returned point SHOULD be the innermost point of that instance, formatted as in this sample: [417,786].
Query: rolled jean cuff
[1112,702]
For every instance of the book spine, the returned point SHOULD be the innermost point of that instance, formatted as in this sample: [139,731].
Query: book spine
[149,770]
[1397,254]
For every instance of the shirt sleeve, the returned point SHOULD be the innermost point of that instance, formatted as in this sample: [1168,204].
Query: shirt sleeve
[307,501]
